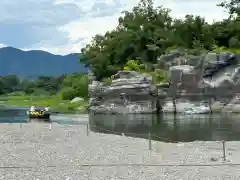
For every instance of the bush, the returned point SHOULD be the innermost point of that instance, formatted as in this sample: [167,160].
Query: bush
[217,49]
[39,91]
[159,76]
[19,93]
[29,91]
[75,86]
[132,65]
[68,93]
[142,67]
[107,81]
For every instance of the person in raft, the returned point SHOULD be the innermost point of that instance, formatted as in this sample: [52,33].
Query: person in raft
[47,108]
[32,108]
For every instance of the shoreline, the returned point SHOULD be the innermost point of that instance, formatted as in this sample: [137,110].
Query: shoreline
[56,103]
[68,151]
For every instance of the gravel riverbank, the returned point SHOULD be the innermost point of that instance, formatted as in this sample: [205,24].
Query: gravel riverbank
[35,151]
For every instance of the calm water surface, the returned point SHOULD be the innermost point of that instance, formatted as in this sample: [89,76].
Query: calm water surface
[169,128]
[19,115]
[162,128]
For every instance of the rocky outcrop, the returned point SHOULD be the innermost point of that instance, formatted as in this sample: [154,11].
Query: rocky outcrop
[215,79]
[129,92]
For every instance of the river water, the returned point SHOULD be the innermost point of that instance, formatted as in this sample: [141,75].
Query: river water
[168,128]
[19,115]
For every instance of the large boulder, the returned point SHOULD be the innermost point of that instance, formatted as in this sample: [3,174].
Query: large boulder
[129,92]
[132,92]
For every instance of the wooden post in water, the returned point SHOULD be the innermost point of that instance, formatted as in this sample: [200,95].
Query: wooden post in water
[158,106]
[149,140]
[210,104]
[174,105]
[87,129]
[224,151]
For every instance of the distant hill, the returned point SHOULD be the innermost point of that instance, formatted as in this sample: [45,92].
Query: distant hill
[35,63]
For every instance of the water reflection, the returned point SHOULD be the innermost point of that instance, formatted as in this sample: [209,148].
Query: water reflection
[178,128]
[8,115]
[182,128]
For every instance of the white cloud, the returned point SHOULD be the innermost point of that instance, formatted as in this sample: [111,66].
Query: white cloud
[64,26]
[204,8]
[2,45]
[38,13]
[90,25]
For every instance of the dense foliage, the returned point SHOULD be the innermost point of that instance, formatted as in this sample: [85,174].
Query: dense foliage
[146,33]
[68,86]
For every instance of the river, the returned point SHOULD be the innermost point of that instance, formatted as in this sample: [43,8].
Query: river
[168,128]
[19,115]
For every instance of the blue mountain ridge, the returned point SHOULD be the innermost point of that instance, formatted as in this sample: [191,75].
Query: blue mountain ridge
[35,63]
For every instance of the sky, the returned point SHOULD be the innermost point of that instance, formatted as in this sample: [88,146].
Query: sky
[65,26]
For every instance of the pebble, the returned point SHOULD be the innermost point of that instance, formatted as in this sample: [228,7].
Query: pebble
[66,152]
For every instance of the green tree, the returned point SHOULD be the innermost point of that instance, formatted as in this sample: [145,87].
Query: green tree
[233,7]
[10,83]
[75,85]
[146,33]
[1,86]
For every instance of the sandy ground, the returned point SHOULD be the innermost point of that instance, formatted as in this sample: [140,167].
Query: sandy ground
[37,151]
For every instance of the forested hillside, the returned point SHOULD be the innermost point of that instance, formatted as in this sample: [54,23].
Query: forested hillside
[37,63]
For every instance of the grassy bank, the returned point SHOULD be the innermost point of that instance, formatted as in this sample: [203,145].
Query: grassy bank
[55,102]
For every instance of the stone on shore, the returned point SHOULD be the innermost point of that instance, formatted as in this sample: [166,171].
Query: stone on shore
[34,151]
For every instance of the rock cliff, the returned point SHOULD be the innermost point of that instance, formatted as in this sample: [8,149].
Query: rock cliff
[211,84]
[129,92]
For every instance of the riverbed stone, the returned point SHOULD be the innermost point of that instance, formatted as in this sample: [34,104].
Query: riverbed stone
[67,152]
